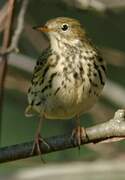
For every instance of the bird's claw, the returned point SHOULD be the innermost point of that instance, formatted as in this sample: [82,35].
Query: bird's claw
[36,144]
[78,135]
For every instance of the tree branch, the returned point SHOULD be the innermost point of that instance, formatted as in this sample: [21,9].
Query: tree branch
[8,47]
[3,63]
[97,5]
[112,130]
[19,28]
[3,16]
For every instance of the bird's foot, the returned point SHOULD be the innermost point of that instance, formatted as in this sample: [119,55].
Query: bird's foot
[79,135]
[36,144]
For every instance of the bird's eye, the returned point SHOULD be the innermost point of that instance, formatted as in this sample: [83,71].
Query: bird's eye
[64,27]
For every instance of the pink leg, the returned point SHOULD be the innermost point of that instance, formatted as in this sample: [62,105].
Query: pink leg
[78,133]
[38,140]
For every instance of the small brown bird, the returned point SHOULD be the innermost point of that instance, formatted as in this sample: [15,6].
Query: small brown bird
[68,77]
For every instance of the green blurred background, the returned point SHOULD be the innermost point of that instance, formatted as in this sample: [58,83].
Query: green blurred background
[107,30]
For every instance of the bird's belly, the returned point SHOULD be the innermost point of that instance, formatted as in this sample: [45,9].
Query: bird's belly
[67,106]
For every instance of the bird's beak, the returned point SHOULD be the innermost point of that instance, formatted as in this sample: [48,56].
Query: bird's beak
[42,29]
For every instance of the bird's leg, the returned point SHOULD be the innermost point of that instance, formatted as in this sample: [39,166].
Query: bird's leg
[38,139]
[78,133]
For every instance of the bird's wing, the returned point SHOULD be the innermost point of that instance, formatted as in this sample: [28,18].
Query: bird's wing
[37,77]
[40,65]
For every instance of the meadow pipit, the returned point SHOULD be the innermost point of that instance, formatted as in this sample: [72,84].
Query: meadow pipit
[68,77]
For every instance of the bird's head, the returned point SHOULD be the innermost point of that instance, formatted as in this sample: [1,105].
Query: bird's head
[63,28]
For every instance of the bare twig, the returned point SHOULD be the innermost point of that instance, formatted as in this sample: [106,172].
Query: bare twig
[22,62]
[9,47]
[97,5]
[19,28]
[3,65]
[87,4]
[114,57]
[3,16]
[115,93]
[112,130]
